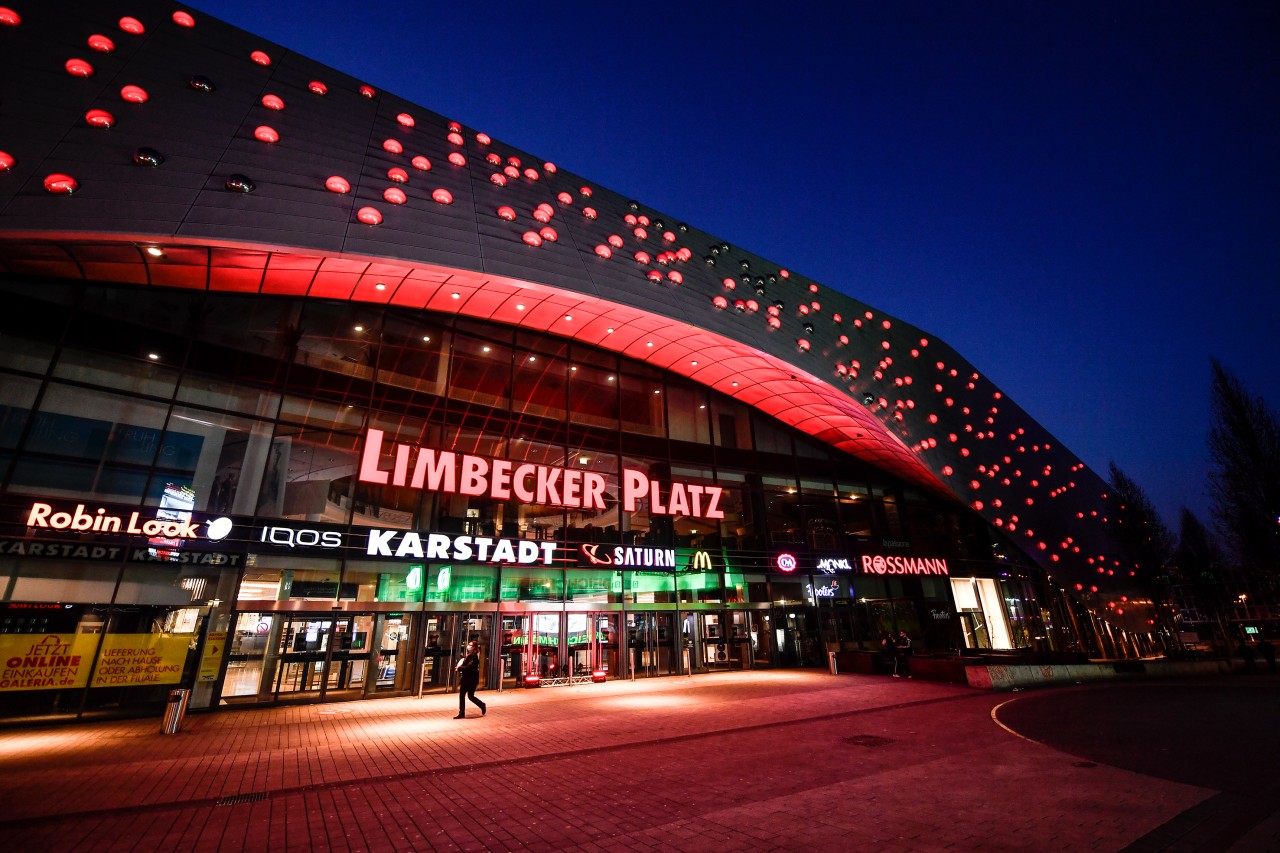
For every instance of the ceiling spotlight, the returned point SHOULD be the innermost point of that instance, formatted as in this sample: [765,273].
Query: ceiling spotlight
[155,251]
[379,286]
[426,339]
[154,356]
[359,328]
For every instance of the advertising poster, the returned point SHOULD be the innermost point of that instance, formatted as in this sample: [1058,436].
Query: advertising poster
[60,661]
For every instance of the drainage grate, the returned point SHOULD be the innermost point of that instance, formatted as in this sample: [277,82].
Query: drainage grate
[237,799]
[867,740]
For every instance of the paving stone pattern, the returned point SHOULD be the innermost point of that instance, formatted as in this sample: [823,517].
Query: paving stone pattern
[754,761]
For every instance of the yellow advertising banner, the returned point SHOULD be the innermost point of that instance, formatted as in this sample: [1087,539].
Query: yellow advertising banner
[45,661]
[60,661]
[215,645]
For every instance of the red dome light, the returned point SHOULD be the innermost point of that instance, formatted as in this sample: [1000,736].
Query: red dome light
[654,276]
[589,212]
[457,159]
[774,322]
[394,195]
[630,219]
[643,258]
[615,241]
[132,26]
[183,19]
[720,302]
[318,87]
[604,251]
[421,163]
[6,161]
[272,102]
[753,306]
[513,161]
[442,196]
[668,236]
[640,233]
[400,176]
[263,133]
[483,138]
[337,184]
[369,216]
[455,138]
[498,178]
[531,174]
[405,119]
[803,344]
[79,68]
[454,127]
[564,198]
[549,234]
[541,215]
[8,17]
[393,146]
[260,58]
[101,43]
[134,94]
[60,184]
[676,277]
[532,238]
[99,118]
[586,191]
[549,168]
[511,172]
[368,92]
[493,159]
[506,213]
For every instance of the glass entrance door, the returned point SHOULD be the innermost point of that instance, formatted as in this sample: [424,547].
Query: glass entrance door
[724,638]
[759,638]
[651,638]
[440,633]
[303,647]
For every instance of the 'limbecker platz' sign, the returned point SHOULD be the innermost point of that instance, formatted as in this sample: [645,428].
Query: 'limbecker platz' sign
[544,485]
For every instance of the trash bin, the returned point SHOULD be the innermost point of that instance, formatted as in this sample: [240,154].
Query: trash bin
[175,711]
[831,662]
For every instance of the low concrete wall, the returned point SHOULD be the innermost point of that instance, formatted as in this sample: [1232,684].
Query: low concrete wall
[1009,676]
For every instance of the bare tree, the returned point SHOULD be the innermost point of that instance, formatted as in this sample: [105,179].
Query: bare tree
[1144,542]
[1199,568]
[1245,483]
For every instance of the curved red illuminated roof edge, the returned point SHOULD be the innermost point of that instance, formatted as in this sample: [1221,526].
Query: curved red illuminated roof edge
[735,369]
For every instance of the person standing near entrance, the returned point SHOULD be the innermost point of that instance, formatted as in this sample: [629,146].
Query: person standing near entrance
[468,680]
[903,667]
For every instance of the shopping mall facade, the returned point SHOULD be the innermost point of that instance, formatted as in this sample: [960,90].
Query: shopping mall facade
[305,386]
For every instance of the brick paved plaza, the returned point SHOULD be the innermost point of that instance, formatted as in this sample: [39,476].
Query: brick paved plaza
[753,761]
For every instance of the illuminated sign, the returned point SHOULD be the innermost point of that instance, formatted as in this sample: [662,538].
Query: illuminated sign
[828,591]
[628,558]
[700,562]
[439,546]
[879,565]
[786,562]
[41,515]
[292,537]
[502,479]
[831,565]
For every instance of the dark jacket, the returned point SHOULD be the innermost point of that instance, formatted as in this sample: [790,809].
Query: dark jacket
[469,672]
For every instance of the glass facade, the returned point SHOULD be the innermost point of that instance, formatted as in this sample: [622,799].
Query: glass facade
[253,412]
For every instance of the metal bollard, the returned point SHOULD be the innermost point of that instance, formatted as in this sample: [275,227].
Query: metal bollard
[175,711]
[831,662]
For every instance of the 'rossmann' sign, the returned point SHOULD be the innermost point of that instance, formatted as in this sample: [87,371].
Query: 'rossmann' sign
[502,479]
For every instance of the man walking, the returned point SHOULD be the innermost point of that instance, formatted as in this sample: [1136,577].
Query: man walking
[468,680]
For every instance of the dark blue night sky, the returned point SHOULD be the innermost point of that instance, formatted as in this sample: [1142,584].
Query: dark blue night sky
[1082,198]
